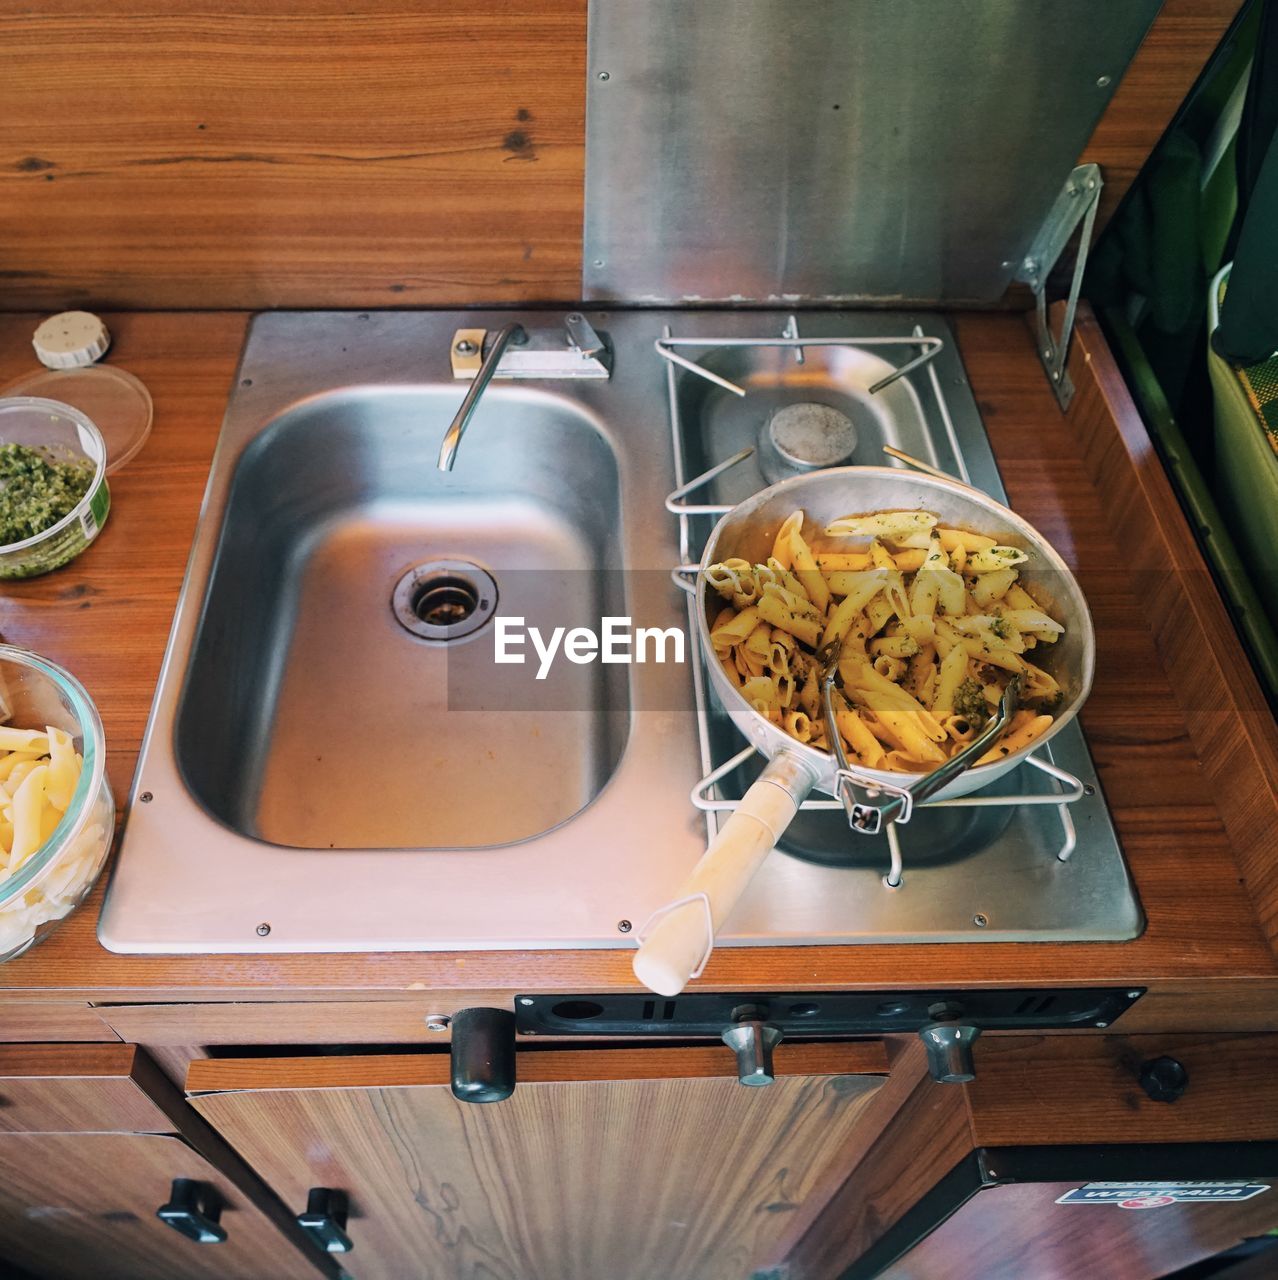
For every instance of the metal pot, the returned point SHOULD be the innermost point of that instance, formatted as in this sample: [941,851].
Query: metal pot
[683,933]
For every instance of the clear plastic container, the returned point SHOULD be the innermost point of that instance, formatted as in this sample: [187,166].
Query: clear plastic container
[57,877]
[64,434]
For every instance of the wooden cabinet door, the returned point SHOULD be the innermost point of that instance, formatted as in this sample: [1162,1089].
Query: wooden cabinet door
[629,1163]
[1041,1168]
[92,1138]
[81,1206]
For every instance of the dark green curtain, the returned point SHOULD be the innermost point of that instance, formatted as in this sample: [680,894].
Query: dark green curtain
[1248,331]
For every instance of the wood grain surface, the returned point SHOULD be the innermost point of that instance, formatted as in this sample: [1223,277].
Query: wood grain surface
[379,153]
[1060,1090]
[106,618]
[1217,692]
[78,1089]
[533,1066]
[45,1021]
[908,1068]
[927,1132]
[679,1174]
[81,1206]
[1169,61]
[1043,1091]
[307,153]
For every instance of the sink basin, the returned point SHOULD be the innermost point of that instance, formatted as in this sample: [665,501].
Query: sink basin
[313,717]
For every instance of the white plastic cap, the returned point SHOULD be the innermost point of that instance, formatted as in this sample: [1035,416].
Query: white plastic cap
[71,339]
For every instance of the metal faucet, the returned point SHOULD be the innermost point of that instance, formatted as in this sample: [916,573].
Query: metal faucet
[452,437]
[575,351]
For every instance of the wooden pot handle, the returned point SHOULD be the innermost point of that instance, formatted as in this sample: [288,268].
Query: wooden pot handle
[669,956]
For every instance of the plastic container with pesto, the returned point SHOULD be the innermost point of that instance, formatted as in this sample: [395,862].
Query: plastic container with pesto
[53,490]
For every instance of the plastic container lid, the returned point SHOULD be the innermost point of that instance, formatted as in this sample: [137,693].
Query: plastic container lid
[116,402]
[71,339]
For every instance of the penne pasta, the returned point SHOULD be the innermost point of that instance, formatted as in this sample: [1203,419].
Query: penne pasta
[782,608]
[989,588]
[867,748]
[1025,728]
[960,540]
[909,561]
[841,561]
[952,672]
[798,725]
[805,569]
[930,623]
[992,559]
[34,740]
[725,634]
[890,668]
[782,547]
[882,524]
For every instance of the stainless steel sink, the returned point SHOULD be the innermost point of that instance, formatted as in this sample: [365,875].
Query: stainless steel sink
[314,717]
[322,772]
[334,760]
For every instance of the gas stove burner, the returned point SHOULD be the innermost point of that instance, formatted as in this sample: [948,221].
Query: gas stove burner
[804,437]
[999,865]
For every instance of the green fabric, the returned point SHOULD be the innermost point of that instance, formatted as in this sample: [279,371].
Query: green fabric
[1248,332]
[1248,329]
[1154,249]
[1259,383]
[1246,402]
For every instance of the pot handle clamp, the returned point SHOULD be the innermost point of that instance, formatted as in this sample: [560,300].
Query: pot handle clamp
[857,791]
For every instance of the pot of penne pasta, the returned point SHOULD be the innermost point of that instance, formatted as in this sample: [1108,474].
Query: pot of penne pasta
[881,635]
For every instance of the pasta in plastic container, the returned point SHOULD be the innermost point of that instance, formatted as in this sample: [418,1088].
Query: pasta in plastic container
[57,814]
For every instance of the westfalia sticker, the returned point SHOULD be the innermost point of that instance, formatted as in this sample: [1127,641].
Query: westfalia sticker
[1158,1195]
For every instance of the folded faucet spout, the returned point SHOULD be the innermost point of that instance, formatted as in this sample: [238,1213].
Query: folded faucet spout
[452,437]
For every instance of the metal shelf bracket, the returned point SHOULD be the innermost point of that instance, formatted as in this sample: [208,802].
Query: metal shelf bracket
[1077,203]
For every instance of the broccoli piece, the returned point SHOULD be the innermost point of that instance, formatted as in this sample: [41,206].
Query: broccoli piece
[969,702]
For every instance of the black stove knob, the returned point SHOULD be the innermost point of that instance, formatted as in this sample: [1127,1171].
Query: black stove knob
[1163,1079]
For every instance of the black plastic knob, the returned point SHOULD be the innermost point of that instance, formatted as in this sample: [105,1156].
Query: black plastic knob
[325,1219]
[1163,1079]
[193,1210]
[483,1054]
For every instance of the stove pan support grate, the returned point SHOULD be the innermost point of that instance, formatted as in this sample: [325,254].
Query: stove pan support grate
[1068,789]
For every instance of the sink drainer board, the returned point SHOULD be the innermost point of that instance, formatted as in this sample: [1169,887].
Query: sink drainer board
[359,786]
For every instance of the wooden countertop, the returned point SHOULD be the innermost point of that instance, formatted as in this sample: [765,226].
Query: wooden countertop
[106,617]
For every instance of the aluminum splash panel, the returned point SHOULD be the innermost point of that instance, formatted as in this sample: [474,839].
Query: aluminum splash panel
[836,150]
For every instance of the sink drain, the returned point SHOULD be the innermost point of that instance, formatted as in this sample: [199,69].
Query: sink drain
[444,599]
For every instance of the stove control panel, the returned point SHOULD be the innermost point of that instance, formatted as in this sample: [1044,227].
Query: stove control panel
[822,1013]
